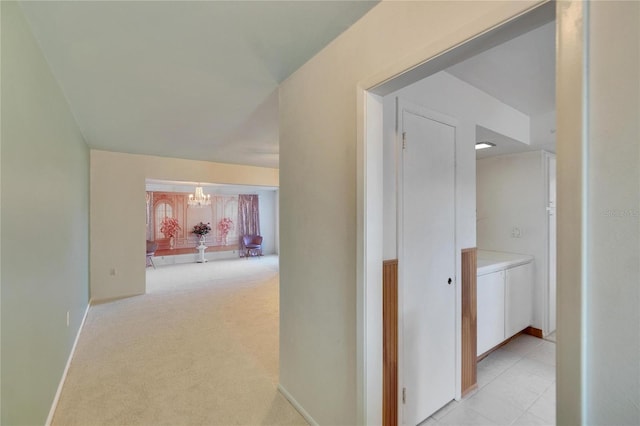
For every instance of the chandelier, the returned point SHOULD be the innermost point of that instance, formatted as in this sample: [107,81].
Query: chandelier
[199,199]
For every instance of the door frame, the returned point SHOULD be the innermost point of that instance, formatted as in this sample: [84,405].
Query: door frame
[369,191]
[413,108]
[546,158]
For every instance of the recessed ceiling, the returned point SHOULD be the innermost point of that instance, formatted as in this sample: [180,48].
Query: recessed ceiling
[194,80]
[503,144]
[520,72]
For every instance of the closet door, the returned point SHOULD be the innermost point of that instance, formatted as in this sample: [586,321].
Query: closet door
[427,263]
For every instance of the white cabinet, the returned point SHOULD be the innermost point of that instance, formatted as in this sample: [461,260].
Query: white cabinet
[490,296]
[504,302]
[518,299]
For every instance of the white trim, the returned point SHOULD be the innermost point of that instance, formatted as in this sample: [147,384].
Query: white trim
[363,127]
[296,405]
[369,247]
[56,398]
[546,328]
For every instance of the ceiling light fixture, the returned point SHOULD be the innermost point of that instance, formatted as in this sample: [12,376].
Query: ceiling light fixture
[484,145]
[199,199]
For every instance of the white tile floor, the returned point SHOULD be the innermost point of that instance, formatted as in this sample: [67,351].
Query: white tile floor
[516,386]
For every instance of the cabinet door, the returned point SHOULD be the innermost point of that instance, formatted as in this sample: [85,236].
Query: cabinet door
[518,299]
[490,293]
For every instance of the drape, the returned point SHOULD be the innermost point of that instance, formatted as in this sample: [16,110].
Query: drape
[248,219]
[149,200]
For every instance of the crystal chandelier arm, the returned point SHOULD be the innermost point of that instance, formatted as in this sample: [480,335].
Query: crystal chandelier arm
[199,199]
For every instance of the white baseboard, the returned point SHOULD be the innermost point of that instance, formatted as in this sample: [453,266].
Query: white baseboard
[54,405]
[296,405]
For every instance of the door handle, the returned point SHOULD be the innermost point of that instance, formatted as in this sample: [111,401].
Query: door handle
[449,281]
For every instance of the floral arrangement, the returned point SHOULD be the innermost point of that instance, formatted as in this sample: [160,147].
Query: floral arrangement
[224,226]
[169,226]
[201,229]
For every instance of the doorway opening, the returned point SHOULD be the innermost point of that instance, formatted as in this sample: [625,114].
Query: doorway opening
[184,231]
[439,86]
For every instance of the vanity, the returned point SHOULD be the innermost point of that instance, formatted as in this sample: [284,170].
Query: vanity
[504,297]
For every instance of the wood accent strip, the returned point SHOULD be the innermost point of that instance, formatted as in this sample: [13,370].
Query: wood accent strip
[390,342]
[498,346]
[469,319]
[535,332]
[532,331]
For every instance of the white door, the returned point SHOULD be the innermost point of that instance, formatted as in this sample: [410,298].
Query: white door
[552,243]
[427,263]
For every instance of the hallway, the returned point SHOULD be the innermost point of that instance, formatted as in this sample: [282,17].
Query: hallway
[200,348]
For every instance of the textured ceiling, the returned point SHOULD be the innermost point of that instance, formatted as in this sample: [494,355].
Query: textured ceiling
[195,80]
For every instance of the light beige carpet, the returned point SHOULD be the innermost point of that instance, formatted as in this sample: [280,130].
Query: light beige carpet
[201,348]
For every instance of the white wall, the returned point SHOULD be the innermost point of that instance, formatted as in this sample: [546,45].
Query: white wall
[543,130]
[319,367]
[118,211]
[45,226]
[448,95]
[268,219]
[511,194]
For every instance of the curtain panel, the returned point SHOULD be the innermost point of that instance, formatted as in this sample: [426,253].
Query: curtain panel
[248,219]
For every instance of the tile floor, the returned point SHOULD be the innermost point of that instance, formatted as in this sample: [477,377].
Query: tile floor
[516,386]
[551,337]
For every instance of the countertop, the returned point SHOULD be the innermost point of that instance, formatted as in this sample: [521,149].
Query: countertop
[492,261]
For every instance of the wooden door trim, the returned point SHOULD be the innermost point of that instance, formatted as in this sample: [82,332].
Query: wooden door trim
[469,320]
[390,342]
